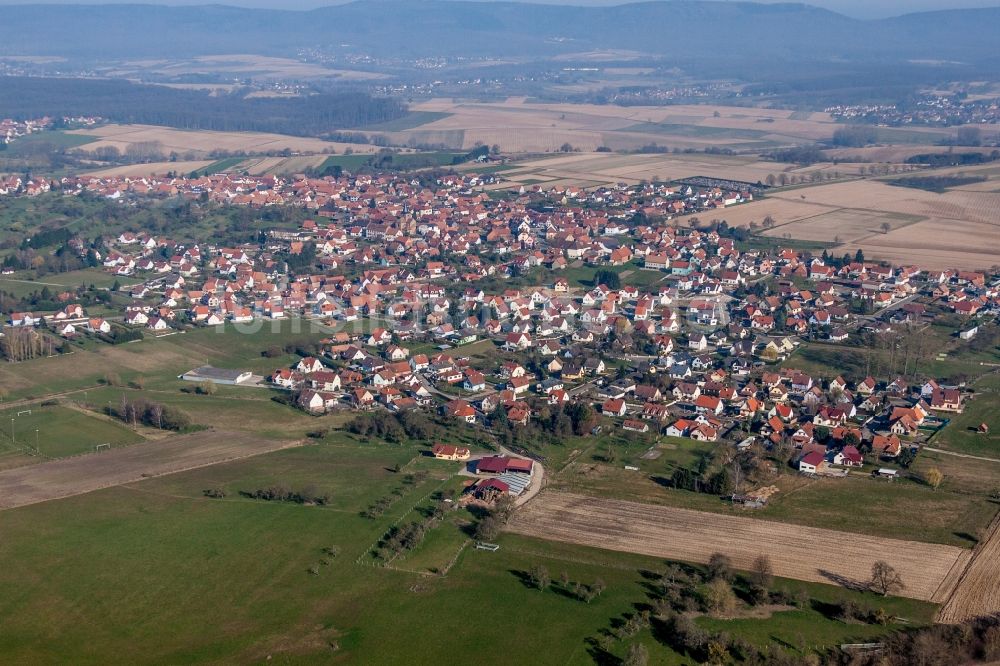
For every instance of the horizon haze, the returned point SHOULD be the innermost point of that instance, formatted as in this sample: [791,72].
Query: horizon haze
[862,9]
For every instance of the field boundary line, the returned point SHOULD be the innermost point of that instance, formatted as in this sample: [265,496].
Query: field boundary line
[564,558]
[961,455]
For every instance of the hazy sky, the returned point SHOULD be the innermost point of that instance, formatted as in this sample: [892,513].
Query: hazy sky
[858,8]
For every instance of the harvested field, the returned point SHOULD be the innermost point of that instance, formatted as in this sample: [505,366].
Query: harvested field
[893,153]
[933,231]
[978,590]
[929,571]
[852,226]
[242,65]
[936,243]
[282,165]
[588,169]
[204,141]
[83,474]
[521,126]
[152,169]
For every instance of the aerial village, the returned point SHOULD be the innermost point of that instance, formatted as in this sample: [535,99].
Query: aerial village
[593,297]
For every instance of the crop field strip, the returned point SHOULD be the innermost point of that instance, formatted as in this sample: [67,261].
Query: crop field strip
[933,231]
[977,592]
[518,125]
[930,571]
[206,141]
[75,476]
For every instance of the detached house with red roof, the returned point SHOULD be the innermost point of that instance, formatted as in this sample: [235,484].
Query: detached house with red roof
[812,463]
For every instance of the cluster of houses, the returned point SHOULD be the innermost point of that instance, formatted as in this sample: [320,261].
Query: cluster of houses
[328,195]
[67,322]
[12,130]
[409,273]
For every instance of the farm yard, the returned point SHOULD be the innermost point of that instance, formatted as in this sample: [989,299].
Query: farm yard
[929,571]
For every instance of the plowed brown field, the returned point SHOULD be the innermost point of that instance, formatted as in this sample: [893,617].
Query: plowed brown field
[978,590]
[929,571]
[83,474]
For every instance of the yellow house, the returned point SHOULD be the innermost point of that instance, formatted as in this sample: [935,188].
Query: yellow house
[450,452]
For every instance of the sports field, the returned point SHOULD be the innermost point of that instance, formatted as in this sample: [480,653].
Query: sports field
[57,431]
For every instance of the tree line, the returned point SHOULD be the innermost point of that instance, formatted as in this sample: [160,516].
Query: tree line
[152,414]
[22,98]
[938,184]
[279,492]
[24,344]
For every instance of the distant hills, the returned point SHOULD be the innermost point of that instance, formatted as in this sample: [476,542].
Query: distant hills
[684,29]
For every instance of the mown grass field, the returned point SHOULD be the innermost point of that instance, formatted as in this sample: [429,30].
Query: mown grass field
[220,166]
[22,284]
[159,361]
[55,138]
[158,572]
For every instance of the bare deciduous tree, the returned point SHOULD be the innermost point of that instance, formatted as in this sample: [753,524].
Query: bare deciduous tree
[885,580]
[762,574]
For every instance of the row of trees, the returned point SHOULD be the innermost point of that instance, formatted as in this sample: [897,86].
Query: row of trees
[23,344]
[282,493]
[540,579]
[401,538]
[63,260]
[395,428]
[382,504]
[679,593]
[154,414]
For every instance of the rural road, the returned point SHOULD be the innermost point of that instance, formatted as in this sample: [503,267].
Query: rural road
[961,455]
[83,474]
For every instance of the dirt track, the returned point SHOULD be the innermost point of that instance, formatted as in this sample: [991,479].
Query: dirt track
[83,474]
[978,590]
[929,571]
